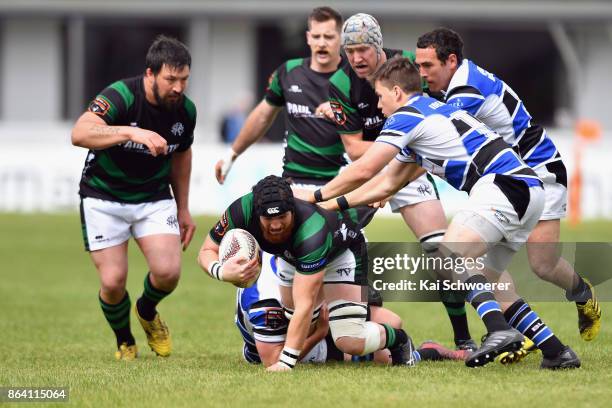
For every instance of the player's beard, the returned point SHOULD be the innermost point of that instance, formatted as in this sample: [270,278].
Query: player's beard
[166,102]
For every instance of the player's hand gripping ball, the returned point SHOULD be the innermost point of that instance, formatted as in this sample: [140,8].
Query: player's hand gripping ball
[240,243]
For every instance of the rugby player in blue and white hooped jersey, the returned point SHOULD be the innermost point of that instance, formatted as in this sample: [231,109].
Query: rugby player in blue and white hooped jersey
[506,197]
[262,322]
[467,86]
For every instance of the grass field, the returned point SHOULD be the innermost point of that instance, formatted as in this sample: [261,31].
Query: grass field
[54,334]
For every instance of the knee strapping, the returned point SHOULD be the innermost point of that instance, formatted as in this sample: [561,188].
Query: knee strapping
[431,241]
[348,319]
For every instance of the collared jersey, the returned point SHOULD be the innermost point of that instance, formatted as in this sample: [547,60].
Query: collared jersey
[313,151]
[317,238]
[128,172]
[452,144]
[492,101]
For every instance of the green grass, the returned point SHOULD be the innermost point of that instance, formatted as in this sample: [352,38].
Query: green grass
[53,334]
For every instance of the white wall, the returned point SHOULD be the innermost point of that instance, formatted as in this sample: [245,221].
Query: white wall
[593,47]
[31,81]
[40,171]
[228,53]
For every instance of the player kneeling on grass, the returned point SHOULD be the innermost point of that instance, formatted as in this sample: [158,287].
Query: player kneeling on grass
[262,323]
[327,254]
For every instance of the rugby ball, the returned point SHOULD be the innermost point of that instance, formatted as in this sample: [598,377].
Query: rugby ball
[239,242]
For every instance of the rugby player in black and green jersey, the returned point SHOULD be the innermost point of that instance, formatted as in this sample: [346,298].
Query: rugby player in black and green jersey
[135,182]
[327,259]
[354,107]
[313,151]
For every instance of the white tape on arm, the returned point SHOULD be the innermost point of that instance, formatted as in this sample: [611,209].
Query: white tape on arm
[215,269]
[228,161]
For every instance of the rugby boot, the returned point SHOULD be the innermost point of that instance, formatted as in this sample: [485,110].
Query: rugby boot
[445,353]
[466,345]
[565,359]
[513,357]
[589,316]
[494,344]
[126,353]
[158,335]
[403,354]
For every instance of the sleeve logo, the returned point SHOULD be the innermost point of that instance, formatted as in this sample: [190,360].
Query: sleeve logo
[221,227]
[275,318]
[99,106]
[339,115]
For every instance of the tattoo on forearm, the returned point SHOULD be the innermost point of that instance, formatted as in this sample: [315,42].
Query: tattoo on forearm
[105,130]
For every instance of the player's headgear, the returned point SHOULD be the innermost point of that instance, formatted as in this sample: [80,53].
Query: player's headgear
[272,196]
[362,29]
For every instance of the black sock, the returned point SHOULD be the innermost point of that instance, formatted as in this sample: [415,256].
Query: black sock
[394,337]
[118,318]
[521,317]
[581,292]
[151,296]
[458,318]
[486,306]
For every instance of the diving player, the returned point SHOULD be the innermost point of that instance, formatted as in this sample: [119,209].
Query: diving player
[325,258]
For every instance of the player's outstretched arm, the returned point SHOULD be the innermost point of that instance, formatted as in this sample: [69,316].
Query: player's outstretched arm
[357,173]
[270,352]
[256,125]
[305,289]
[380,187]
[91,132]
[179,180]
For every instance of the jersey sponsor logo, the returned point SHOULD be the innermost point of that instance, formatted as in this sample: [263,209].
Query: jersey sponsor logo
[298,110]
[313,265]
[99,106]
[273,210]
[177,129]
[141,148]
[295,89]
[338,111]
[363,105]
[372,122]
[221,227]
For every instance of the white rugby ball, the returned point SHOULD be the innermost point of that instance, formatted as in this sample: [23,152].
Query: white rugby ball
[239,242]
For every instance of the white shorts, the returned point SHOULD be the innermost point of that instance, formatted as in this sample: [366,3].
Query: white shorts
[109,223]
[491,214]
[555,204]
[419,190]
[343,269]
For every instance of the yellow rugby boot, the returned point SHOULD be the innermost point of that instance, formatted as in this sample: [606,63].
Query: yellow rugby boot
[513,357]
[126,353]
[158,335]
[589,316]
